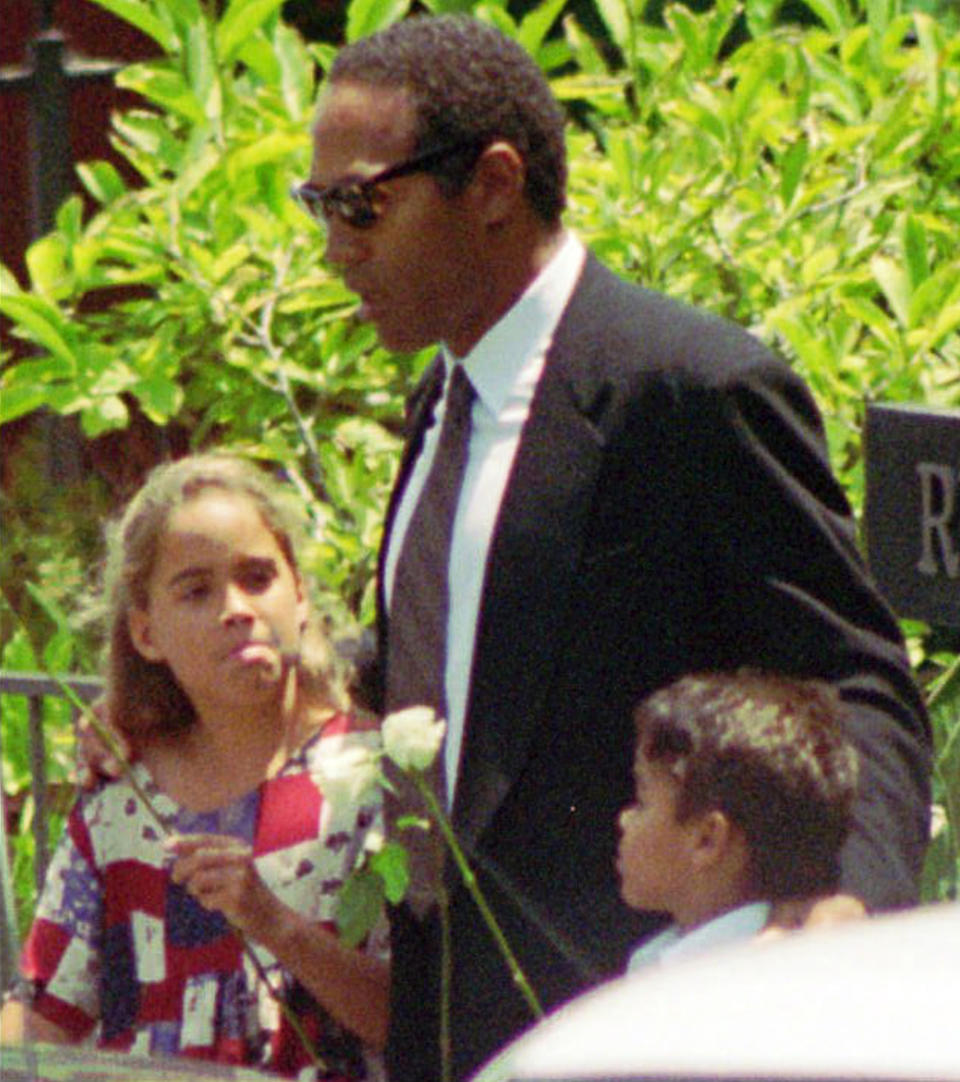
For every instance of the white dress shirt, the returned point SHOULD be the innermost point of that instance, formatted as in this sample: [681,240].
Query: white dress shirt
[505,368]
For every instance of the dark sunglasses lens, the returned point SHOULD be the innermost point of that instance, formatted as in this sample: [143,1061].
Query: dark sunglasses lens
[310,200]
[354,206]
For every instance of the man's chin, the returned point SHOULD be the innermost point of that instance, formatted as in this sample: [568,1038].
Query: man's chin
[398,341]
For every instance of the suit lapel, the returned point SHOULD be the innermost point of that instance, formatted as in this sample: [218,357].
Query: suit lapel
[535,550]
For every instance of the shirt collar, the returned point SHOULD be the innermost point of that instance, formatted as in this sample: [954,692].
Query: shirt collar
[525,331]
[741,923]
[673,942]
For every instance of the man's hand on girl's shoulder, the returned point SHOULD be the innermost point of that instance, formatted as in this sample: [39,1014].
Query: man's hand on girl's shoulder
[95,761]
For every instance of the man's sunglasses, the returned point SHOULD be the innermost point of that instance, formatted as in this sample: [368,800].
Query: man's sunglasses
[354,203]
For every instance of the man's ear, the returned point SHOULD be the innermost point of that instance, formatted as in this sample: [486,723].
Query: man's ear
[498,181]
[138,624]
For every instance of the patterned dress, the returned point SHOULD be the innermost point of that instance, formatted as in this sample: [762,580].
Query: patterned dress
[116,947]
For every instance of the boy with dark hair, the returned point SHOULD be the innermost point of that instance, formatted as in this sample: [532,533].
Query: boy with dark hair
[745,783]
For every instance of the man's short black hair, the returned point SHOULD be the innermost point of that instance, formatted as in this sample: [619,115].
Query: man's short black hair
[770,752]
[469,85]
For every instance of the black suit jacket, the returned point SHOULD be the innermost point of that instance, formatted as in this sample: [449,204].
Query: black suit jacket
[671,508]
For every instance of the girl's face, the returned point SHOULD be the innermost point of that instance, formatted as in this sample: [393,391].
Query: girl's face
[224,606]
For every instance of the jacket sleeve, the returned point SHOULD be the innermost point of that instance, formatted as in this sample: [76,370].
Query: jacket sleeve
[785,586]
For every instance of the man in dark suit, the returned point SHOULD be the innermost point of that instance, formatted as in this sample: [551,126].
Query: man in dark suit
[646,493]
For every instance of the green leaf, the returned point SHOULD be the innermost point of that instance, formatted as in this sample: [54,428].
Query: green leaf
[164,86]
[791,169]
[536,24]
[138,15]
[8,281]
[718,24]
[46,264]
[689,29]
[18,401]
[585,52]
[201,68]
[872,316]
[105,414]
[915,250]
[930,38]
[258,58]
[43,322]
[70,219]
[49,605]
[616,18]
[183,12]
[893,281]
[879,15]
[364,17]
[241,20]
[102,181]
[392,863]
[936,294]
[359,906]
[809,347]
[59,650]
[946,324]
[160,398]
[296,73]
[834,14]
[274,149]
[589,87]
[147,132]
[760,16]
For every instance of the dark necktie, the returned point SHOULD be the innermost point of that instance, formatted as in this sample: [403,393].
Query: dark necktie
[417,623]
[419,605]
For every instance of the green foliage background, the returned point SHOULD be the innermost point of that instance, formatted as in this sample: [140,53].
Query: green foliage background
[801,178]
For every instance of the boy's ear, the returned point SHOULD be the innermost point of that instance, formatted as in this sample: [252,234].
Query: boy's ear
[713,835]
[138,624]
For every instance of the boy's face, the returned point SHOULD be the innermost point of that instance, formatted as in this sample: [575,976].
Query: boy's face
[654,848]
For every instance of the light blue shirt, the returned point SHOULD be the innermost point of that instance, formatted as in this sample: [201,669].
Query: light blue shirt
[673,943]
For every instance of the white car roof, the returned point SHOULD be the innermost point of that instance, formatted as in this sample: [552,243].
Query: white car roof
[872,999]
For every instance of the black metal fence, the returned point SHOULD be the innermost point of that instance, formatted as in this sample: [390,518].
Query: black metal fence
[34,687]
[48,80]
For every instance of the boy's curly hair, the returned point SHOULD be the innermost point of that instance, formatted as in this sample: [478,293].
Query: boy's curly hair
[769,751]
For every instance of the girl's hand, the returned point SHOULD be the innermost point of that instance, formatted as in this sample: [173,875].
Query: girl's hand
[220,873]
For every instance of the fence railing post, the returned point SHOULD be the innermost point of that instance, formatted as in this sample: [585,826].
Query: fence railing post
[50,113]
[34,687]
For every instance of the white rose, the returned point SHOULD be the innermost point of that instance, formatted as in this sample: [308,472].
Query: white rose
[347,776]
[412,737]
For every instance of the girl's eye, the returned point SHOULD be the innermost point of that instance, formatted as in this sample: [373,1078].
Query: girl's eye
[196,592]
[258,577]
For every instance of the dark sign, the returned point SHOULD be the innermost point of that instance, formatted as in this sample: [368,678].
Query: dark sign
[913,509]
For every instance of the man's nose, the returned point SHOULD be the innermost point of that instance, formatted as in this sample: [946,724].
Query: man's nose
[345,246]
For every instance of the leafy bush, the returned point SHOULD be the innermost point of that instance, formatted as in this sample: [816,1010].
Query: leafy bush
[803,180]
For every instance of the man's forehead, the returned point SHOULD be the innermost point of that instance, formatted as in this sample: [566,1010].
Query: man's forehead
[359,110]
[359,127]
